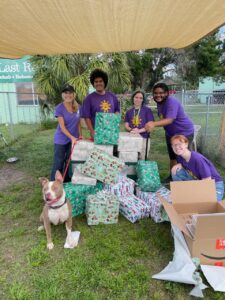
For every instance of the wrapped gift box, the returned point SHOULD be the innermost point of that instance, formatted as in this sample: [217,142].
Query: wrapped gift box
[148,176]
[130,142]
[82,150]
[107,128]
[106,148]
[157,211]
[133,208]
[122,187]
[102,207]
[79,178]
[102,166]
[77,194]
[128,156]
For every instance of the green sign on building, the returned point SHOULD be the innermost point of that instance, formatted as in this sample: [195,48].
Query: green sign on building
[16,70]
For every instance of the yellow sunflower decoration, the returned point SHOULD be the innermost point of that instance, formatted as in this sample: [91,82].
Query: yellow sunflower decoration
[105,106]
[136,121]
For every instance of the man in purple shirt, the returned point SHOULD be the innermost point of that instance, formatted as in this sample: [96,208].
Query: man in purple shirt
[172,118]
[193,165]
[98,101]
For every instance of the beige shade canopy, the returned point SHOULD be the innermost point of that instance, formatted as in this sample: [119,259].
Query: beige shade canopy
[29,27]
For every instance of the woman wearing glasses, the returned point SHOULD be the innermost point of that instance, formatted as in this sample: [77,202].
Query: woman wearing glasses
[193,165]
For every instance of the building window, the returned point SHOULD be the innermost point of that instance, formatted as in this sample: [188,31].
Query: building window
[26,94]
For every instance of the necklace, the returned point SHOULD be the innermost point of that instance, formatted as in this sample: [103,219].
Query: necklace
[136,117]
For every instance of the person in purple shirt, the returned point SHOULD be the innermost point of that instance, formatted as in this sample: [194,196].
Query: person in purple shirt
[67,131]
[98,101]
[193,165]
[137,117]
[172,118]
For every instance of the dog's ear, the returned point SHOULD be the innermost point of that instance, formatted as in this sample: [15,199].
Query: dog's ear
[43,180]
[58,176]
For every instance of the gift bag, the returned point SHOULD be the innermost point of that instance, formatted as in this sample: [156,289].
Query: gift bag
[107,128]
[148,176]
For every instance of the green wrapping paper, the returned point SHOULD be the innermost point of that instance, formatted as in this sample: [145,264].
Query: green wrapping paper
[148,176]
[77,195]
[102,207]
[107,128]
[102,166]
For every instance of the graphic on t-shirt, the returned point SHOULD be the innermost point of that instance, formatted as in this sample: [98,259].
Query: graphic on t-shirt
[191,174]
[136,121]
[105,106]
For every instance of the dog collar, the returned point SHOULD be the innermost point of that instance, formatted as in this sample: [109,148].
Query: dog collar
[58,206]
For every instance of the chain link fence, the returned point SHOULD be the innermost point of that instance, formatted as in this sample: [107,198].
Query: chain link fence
[21,113]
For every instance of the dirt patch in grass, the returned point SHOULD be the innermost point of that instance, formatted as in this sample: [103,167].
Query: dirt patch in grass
[9,175]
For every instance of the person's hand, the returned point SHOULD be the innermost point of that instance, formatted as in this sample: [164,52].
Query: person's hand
[176,168]
[134,130]
[81,137]
[92,133]
[150,126]
[73,140]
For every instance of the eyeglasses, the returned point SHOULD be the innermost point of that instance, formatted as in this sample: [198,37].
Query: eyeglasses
[177,145]
[159,93]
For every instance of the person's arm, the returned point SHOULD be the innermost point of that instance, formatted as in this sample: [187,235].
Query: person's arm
[152,124]
[90,127]
[80,130]
[176,168]
[126,125]
[117,105]
[65,131]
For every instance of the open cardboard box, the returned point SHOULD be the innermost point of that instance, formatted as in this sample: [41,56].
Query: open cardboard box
[199,197]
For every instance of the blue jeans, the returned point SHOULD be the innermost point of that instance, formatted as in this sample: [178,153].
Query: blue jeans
[183,175]
[61,155]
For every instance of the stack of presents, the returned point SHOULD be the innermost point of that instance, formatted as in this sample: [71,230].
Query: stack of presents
[104,185]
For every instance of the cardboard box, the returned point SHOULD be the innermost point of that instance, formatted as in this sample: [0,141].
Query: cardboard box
[199,197]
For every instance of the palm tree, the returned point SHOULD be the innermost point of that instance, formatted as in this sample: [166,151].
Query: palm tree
[51,72]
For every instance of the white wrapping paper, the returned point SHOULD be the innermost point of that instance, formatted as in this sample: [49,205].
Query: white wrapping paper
[79,178]
[83,148]
[127,156]
[130,142]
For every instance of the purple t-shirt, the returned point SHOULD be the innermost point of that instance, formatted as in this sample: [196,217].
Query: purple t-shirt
[71,121]
[199,166]
[138,119]
[95,102]
[172,109]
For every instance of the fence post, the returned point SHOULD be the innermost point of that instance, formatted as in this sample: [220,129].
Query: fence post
[10,117]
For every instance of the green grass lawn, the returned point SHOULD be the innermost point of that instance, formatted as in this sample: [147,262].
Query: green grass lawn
[110,262]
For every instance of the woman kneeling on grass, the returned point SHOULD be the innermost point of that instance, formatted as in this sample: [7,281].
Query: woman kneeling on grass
[193,165]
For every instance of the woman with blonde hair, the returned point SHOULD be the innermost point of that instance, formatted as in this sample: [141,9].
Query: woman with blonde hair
[193,165]
[67,131]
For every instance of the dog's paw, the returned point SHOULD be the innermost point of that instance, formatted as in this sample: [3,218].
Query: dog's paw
[50,246]
[40,228]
